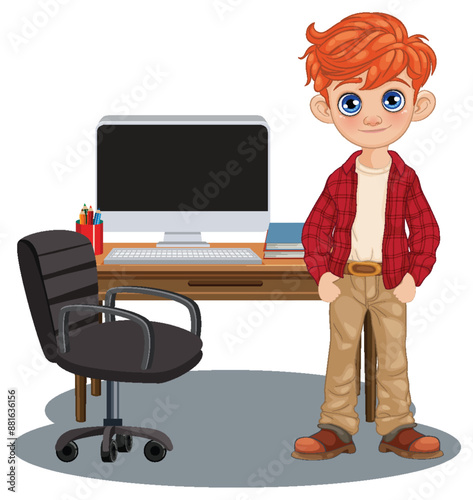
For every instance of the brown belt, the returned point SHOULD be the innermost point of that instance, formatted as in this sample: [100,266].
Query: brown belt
[363,269]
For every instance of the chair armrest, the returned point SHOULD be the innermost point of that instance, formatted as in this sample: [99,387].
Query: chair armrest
[146,326]
[193,308]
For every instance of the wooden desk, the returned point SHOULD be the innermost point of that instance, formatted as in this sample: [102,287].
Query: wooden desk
[274,279]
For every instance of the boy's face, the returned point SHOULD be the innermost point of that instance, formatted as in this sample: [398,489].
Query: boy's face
[373,118]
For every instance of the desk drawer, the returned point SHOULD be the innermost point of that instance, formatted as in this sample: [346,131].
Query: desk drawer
[286,286]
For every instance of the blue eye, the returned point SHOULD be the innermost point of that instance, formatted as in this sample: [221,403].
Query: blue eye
[393,101]
[349,104]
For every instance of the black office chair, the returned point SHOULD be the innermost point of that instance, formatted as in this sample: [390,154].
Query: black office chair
[60,279]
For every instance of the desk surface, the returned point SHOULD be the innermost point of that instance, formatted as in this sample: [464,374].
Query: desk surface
[274,279]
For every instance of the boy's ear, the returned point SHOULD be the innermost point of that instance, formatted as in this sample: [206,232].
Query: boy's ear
[424,105]
[321,109]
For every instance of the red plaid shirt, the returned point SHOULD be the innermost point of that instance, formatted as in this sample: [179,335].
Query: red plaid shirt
[327,232]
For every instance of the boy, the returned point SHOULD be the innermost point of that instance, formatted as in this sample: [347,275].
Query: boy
[369,74]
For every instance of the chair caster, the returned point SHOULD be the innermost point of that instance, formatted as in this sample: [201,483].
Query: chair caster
[111,455]
[154,451]
[124,442]
[69,452]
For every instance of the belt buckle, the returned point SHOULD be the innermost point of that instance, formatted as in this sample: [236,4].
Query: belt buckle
[375,266]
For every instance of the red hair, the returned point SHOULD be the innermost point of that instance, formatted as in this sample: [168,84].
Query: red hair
[370,41]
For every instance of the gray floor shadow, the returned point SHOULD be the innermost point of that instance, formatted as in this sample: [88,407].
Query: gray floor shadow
[228,428]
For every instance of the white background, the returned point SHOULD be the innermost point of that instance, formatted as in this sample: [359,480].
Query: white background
[66,64]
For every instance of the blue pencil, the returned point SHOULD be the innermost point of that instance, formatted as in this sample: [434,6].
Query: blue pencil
[97,217]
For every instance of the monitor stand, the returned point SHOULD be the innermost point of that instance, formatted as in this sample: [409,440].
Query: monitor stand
[182,240]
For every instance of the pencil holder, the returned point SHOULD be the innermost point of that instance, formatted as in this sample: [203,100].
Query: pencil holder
[95,234]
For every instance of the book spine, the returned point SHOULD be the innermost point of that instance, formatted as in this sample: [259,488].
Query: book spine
[283,255]
[266,238]
[284,246]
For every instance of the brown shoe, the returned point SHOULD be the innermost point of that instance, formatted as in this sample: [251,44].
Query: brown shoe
[321,446]
[409,443]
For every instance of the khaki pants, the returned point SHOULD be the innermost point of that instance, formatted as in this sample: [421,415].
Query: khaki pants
[388,316]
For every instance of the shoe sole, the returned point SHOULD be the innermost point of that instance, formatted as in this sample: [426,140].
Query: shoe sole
[417,455]
[324,455]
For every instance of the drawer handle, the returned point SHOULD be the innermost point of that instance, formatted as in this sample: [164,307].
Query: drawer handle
[224,283]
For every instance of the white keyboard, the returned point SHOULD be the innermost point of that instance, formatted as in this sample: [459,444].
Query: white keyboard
[182,256]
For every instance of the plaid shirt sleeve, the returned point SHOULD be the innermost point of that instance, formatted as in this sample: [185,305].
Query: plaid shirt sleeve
[424,234]
[317,235]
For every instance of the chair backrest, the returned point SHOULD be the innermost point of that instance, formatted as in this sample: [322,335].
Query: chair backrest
[58,268]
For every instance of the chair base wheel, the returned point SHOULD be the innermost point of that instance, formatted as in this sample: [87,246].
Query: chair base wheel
[154,451]
[68,453]
[111,455]
[124,442]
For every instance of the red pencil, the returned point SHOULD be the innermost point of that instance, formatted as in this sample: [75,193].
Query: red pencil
[90,216]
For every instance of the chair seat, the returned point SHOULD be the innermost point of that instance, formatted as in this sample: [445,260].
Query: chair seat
[114,351]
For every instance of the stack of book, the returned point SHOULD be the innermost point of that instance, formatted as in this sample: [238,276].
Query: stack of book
[283,241]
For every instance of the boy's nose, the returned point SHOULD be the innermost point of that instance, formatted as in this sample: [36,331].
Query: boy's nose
[372,120]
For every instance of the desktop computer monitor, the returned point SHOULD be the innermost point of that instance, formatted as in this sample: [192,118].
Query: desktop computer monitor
[182,175]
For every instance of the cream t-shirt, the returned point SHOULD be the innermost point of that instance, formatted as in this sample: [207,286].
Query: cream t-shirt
[368,228]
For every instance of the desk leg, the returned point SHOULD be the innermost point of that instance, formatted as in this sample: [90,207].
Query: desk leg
[96,383]
[80,398]
[95,387]
[358,368]
[370,370]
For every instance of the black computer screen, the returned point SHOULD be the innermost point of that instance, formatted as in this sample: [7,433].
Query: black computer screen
[182,167]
